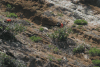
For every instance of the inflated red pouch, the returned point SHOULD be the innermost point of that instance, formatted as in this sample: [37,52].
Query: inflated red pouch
[8,19]
[61,25]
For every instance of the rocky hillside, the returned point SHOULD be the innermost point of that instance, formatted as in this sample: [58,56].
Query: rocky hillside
[31,38]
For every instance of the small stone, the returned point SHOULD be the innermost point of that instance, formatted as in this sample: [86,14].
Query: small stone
[45,29]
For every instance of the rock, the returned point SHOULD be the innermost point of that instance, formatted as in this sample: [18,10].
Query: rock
[45,29]
[87,46]
[48,14]
[32,63]
[50,4]
[65,59]
[85,56]
[10,54]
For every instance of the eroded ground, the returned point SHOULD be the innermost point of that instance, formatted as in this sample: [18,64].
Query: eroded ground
[36,14]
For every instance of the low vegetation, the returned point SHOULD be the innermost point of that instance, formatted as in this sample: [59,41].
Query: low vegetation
[69,30]
[80,49]
[12,15]
[80,22]
[59,60]
[50,57]
[94,52]
[96,63]
[19,28]
[35,38]
[9,6]
[27,21]
[41,29]
[80,26]
[56,50]
[60,34]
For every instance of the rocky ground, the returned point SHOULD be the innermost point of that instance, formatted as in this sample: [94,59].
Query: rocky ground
[36,14]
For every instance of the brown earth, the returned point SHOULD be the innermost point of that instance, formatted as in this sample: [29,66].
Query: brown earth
[33,12]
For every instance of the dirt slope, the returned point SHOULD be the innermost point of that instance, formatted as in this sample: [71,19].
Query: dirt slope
[45,53]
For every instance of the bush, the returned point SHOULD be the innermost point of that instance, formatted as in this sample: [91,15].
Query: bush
[60,34]
[69,30]
[96,62]
[56,50]
[80,49]
[94,52]
[59,60]
[41,29]
[7,61]
[19,28]
[8,6]
[35,38]
[12,15]
[50,57]
[80,22]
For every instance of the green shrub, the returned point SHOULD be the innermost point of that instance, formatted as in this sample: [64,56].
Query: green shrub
[7,28]
[59,60]
[80,49]
[60,34]
[96,62]
[16,28]
[50,59]
[80,22]
[1,27]
[56,50]
[50,46]
[8,6]
[35,38]
[19,28]
[94,52]
[69,30]
[27,21]
[12,15]
[41,29]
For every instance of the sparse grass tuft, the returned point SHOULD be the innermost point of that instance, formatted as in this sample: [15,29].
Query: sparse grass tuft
[96,62]
[59,60]
[8,6]
[27,21]
[80,26]
[69,30]
[94,52]
[19,28]
[60,34]
[41,29]
[80,49]
[50,57]
[80,22]
[12,15]
[56,50]
[35,38]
